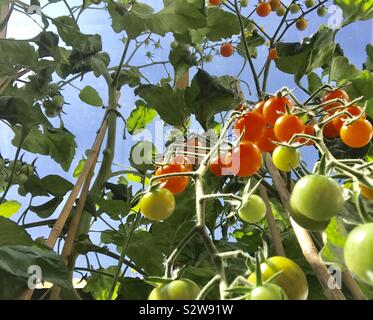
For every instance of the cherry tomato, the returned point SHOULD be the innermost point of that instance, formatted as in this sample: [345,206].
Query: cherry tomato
[281,11]
[322,11]
[308,223]
[183,289]
[273,108]
[310,3]
[265,143]
[195,146]
[330,131]
[245,159]
[184,161]
[301,24]
[294,8]
[310,130]
[291,279]
[336,94]
[215,2]
[218,166]
[259,107]
[273,54]
[253,126]
[174,184]
[358,252]
[358,134]
[317,197]
[268,291]
[226,50]
[366,192]
[287,126]
[263,9]
[285,159]
[158,204]
[353,110]
[275,4]
[253,210]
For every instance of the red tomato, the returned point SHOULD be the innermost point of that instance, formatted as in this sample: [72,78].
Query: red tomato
[273,54]
[245,159]
[174,184]
[274,107]
[265,143]
[226,50]
[215,2]
[218,165]
[358,134]
[310,130]
[259,107]
[184,161]
[263,9]
[353,110]
[331,95]
[330,131]
[252,124]
[288,125]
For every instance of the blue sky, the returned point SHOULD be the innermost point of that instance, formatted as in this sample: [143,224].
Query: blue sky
[83,120]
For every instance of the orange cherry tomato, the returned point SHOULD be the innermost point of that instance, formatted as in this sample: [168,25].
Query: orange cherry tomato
[226,50]
[288,125]
[358,134]
[366,192]
[310,130]
[265,143]
[301,24]
[259,107]
[263,9]
[252,124]
[273,54]
[275,4]
[353,110]
[273,108]
[218,165]
[336,94]
[173,184]
[215,2]
[244,160]
[330,131]
[184,161]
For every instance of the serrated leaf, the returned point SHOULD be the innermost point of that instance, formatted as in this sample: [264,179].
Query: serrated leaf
[56,185]
[99,284]
[355,10]
[140,117]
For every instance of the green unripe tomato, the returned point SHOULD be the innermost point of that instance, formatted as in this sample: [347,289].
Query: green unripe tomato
[317,197]
[209,58]
[183,289]
[294,8]
[58,101]
[244,3]
[22,191]
[158,204]
[322,11]
[267,291]
[27,169]
[21,179]
[53,90]
[308,223]
[253,210]
[286,159]
[358,253]
[291,279]
[281,11]
[310,3]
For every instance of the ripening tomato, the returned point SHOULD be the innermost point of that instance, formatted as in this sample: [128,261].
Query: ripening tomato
[332,95]
[358,252]
[273,54]
[158,204]
[174,184]
[226,50]
[218,166]
[259,107]
[183,289]
[310,130]
[353,110]
[265,143]
[307,223]
[273,108]
[253,126]
[275,4]
[286,159]
[301,24]
[357,134]
[245,159]
[263,9]
[184,161]
[287,126]
[253,210]
[291,279]
[317,197]
[268,291]
[366,192]
[330,131]
[215,2]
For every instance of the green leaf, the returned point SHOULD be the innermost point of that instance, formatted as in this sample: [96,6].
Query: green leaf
[181,59]
[253,40]
[46,209]
[99,284]
[341,69]
[168,102]
[114,208]
[90,96]
[355,10]
[35,186]
[134,289]
[12,234]
[369,64]
[140,117]
[314,82]
[9,208]
[334,238]
[142,156]
[57,185]
[130,77]
[79,168]
[100,63]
